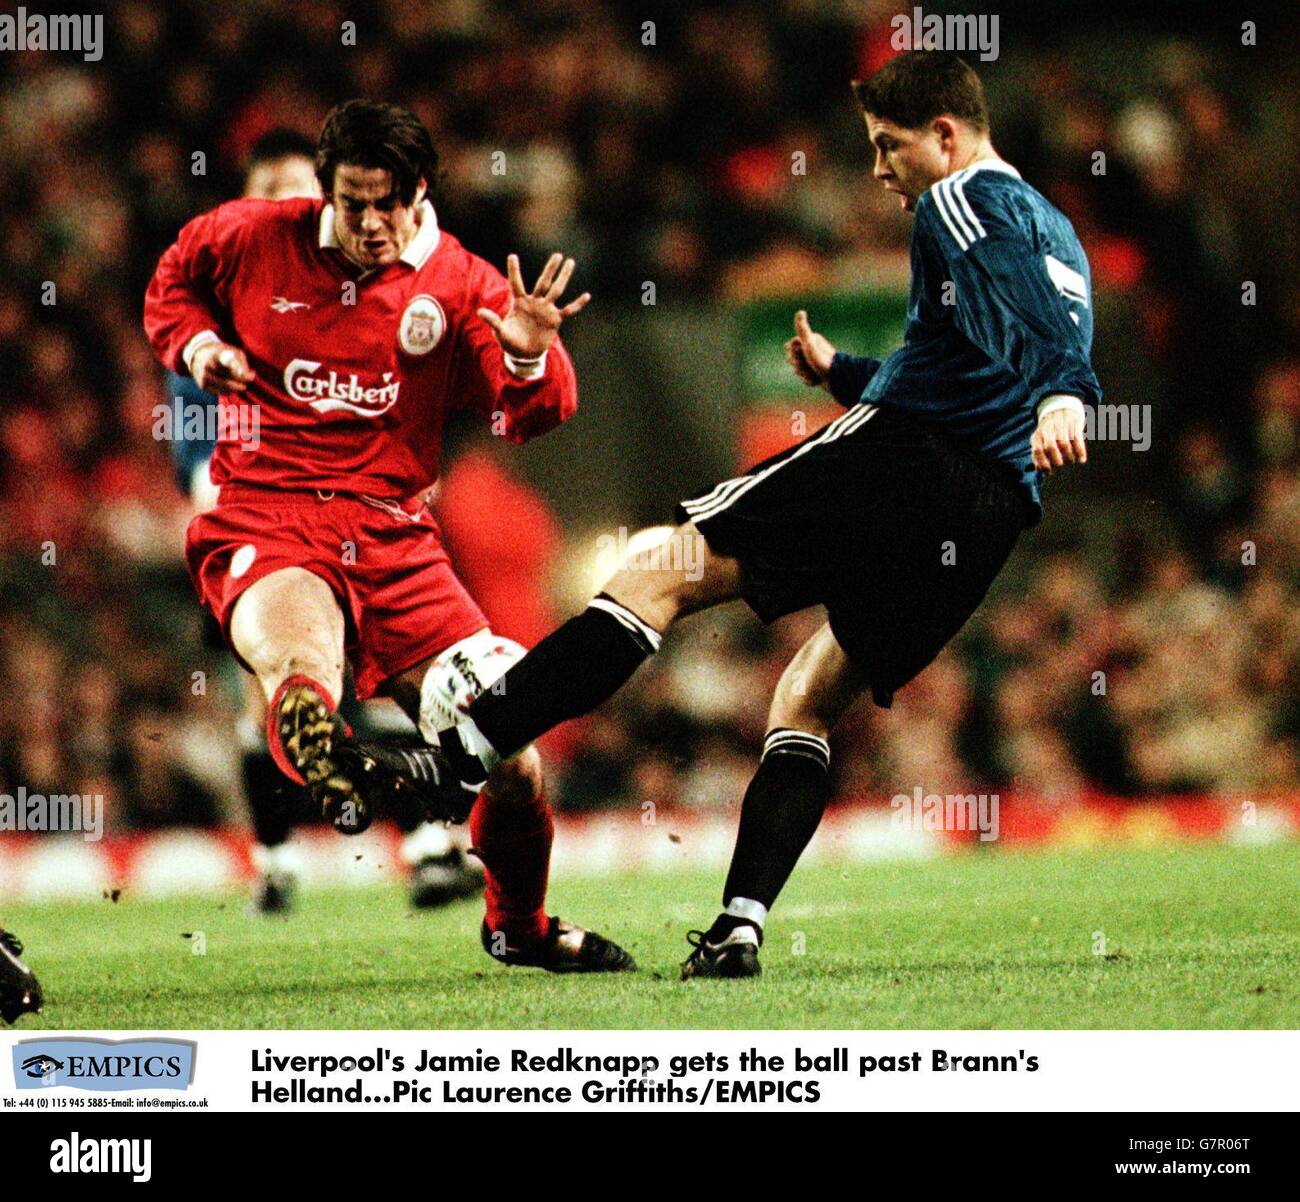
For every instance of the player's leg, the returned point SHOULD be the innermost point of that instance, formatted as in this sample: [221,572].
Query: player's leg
[510,820]
[20,992]
[590,657]
[775,520]
[512,832]
[894,599]
[440,869]
[435,855]
[512,826]
[783,805]
[289,624]
[288,628]
[275,804]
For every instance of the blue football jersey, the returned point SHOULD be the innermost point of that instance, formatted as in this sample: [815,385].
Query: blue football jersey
[999,317]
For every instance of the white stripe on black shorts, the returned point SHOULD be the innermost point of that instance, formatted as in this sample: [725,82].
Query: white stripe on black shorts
[882,519]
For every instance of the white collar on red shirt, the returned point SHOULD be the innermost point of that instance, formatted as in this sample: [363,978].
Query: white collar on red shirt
[418,250]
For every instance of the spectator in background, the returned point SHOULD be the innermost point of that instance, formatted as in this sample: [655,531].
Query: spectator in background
[157,790]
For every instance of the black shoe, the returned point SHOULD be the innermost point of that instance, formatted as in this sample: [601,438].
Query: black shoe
[438,880]
[277,893]
[20,991]
[417,773]
[734,955]
[313,738]
[564,948]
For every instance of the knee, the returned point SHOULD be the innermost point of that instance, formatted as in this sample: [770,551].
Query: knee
[289,623]
[655,597]
[273,669]
[518,780]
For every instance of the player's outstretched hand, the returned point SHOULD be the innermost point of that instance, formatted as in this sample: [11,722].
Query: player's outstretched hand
[220,367]
[533,319]
[1059,440]
[808,352]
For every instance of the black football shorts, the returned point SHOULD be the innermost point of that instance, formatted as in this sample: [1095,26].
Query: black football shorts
[887,522]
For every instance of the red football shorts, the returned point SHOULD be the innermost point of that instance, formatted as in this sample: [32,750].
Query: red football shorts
[401,601]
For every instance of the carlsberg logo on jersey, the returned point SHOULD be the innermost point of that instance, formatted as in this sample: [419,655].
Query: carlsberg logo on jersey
[330,392]
[104,1064]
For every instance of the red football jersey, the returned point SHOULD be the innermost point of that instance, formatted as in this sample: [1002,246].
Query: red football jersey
[356,373]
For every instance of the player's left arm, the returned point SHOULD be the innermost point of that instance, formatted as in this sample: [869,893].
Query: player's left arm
[1008,304]
[520,373]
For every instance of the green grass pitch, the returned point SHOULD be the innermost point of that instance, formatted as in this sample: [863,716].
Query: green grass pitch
[1170,937]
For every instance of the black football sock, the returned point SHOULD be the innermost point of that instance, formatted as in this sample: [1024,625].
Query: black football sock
[782,808]
[569,673]
[273,800]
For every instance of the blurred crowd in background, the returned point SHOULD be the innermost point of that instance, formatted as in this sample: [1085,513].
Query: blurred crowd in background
[1162,661]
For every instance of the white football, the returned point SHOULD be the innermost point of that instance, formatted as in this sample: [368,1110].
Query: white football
[460,674]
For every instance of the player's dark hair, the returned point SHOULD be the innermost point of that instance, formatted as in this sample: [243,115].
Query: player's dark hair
[920,85]
[280,143]
[370,133]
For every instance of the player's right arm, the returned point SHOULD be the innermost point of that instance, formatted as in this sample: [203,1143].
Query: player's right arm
[185,304]
[819,365]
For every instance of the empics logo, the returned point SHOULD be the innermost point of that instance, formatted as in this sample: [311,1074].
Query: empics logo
[83,1154]
[104,1064]
[40,1067]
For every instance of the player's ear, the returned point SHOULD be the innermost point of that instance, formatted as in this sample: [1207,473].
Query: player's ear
[421,191]
[945,129]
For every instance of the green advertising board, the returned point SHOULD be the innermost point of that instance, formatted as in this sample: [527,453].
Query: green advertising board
[859,323]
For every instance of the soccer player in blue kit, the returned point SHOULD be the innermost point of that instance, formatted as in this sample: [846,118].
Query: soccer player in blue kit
[897,516]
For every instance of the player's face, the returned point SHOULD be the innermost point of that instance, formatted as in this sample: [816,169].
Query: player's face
[908,161]
[372,225]
[283,179]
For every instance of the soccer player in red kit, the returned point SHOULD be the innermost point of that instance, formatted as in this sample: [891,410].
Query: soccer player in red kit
[341,335]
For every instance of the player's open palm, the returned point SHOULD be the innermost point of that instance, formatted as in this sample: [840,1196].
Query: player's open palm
[1059,440]
[808,352]
[534,318]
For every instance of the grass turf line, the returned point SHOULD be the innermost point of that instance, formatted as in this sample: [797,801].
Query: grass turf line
[1194,936]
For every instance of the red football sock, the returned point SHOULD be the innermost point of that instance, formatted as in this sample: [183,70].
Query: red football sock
[514,843]
[273,743]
